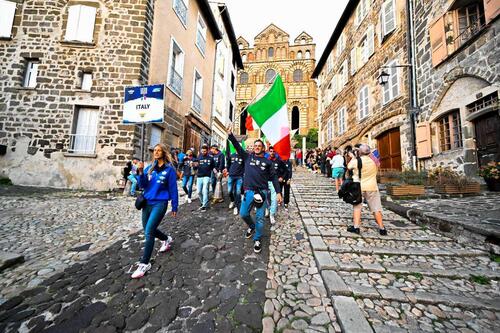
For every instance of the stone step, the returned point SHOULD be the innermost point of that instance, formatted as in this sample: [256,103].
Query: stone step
[9,259]
[372,234]
[349,316]
[403,252]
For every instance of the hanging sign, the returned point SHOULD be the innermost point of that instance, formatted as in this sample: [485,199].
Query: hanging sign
[144,104]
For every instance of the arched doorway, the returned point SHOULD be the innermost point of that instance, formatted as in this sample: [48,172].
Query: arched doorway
[295,118]
[243,120]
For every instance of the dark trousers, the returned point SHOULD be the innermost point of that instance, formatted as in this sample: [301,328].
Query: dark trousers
[285,189]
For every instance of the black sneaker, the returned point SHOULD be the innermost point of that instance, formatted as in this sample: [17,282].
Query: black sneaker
[249,233]
[203,209]
[286,206]
[352,229]
[257,247]
[383,232]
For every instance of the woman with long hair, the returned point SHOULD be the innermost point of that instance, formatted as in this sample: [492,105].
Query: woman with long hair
[159,181]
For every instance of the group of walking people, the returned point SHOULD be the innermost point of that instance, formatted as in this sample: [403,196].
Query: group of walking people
[257,179]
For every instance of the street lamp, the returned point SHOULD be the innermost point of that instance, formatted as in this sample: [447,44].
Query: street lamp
[383,78]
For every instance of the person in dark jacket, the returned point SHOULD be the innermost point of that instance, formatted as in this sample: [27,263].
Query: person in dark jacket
[280,171]
[187,169]
[205,165]
[235,181]
[258,171]
[285,184]
[159,181]
[220,163]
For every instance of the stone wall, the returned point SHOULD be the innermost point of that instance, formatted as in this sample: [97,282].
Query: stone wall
[35,124]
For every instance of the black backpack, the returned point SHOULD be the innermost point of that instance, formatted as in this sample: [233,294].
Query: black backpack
[350,191]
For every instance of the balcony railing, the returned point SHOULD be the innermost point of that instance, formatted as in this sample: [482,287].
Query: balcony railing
[181,10]
[175,81]
[200,41]
[197,103]
[82,144]
[469,32]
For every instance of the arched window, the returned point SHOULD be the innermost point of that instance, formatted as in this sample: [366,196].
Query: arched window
[303,41]
[298,75]
[299,55]
[243,120]
[308,54]
[251,56]
[244,58]
[270,52]
[244,78]
[295,118]
[240,46]
[270,73]
[292,55]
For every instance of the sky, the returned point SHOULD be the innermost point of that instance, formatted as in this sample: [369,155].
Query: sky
[316,17]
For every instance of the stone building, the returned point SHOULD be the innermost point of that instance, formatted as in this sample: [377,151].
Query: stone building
[272,53]
[370,37]
[458,75]
[64,66]
[228,62]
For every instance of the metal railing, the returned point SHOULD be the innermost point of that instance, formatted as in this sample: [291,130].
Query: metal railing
[197,102]
[175,81]
[181,10]
[200,41]
[82,144]
[490,101]
[469,32]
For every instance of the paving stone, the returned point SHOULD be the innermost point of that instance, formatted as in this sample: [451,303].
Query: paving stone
[334,283]
[392,294]
[317,243]
[324,260]
[350,317]
[9,259]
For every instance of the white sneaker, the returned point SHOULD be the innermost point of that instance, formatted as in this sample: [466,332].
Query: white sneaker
[267,212]
[231,205]
[189,200]
[235,211]
[141,270]
[166,245]
[272,219]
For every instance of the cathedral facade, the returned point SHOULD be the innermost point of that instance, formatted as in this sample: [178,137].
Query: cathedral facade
[270,55]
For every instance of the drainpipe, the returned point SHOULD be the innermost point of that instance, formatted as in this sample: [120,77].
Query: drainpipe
[412,80]
[213,90]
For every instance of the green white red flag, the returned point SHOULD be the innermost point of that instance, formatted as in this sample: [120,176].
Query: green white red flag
[271,115]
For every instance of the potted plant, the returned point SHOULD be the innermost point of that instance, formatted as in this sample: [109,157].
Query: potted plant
[448,181]
[388,176]
[410,183]
[491,175]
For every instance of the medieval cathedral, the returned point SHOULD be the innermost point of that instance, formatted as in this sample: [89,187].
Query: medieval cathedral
[272,54]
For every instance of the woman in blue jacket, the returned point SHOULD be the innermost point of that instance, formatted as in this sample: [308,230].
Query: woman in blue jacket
[159,181]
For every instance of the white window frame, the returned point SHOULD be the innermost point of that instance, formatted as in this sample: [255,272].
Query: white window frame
[383,17]
[361,11]
[79,27]
[329,129]
[344,73]
[354,60]
[388,90]
[364,102]
[8,12]
[85,130]
[31,73]
[156,133]
[86,84]
[340,45]
[197,90]
[180,68]
[201,31]
[341,121]
[179,15]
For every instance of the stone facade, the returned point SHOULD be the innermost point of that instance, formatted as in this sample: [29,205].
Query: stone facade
[295,62]
[467,71]
[362,44]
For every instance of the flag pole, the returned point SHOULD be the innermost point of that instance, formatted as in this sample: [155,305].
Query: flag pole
[257,95]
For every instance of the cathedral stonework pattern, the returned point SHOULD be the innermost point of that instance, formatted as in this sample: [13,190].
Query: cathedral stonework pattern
[273,54]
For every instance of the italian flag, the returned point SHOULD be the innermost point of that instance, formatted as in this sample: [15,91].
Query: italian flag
[271,115]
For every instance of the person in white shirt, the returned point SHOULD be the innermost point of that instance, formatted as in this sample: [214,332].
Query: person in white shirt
[338,169]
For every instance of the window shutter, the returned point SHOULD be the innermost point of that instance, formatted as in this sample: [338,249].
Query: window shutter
[200,87]
[491,9]
[370,35]
[72,24]
[179,63]
[354,65]
[394,81]
[423,138]
[8,10]
[389,17]
[86,24]
[438,41]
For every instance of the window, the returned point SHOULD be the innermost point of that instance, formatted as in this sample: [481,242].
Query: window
[341,121]
[176,68]
[270,74]
[270,52]
[84,134]
[391,88]
[156,134]
[450,131]
[329,129]
[80,26]
[361,11]
[340,45]
[329,63]
[181,9]
[344,72]
[308,54]
[367,45]
[197,91]
[7,12]
[240,46]
[201,35]
[231,110]
[388,17]
[298,75]
[31,73]
[364,102]
[303,41]
[86,81]
[232,81]
[354,61]
[244,78]
[299,55]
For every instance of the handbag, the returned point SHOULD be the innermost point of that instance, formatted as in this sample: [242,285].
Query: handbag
[350,191]
[140,202]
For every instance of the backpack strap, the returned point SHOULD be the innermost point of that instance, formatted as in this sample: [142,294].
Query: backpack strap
[360,166]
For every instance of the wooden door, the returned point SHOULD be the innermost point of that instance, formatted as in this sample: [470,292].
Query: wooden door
[389,147]
[488,138]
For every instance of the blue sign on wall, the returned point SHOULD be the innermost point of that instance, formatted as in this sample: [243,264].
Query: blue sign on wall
[144,104]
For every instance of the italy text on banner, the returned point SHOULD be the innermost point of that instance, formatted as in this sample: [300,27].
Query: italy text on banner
[271,115]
